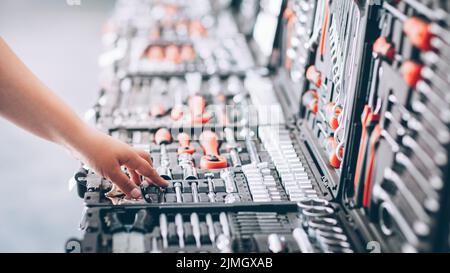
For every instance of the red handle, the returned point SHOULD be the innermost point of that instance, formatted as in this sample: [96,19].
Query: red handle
[173,54]
[197,105]
[163,136]
[210,143]
[158,110]
[418,32]
[184,140]
[310,101]
[411,73]
[383,48]
[332,113]
[314,76]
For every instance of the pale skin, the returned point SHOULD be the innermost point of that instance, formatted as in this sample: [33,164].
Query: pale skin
[27,102]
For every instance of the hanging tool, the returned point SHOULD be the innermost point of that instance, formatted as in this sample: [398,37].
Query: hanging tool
[210,144]
[163,138]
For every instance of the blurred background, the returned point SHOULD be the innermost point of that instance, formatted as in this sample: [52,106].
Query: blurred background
[60,43]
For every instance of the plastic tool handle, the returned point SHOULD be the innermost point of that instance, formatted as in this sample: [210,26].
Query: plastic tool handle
[314,76]
[197,105]
[210,143]
[184,140]
[163,136]
[418,32]
[383,48]
[411,73]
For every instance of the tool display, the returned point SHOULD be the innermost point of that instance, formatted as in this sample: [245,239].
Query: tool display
[290,126]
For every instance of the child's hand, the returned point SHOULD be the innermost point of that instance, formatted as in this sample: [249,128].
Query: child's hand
[106,155]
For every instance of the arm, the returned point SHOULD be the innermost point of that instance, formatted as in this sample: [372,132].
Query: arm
[26,101]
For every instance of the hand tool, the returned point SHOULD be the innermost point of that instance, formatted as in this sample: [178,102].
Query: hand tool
[314,76]
[211,194]
[178,192]
[180,229]
[141,225]
[210,223]
[172,54]
[120,236]
[331,148]
[311,101]
[276,243]
[304,244]
[164,229]
[232,147]
[188,233]
[162,138]
[332,112]
[196,228]
[225,225]
[210,144]
[390,217]
[187,53]
[185,160]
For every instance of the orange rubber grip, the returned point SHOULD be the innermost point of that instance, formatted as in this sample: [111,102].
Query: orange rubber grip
[163,136]
[187,53]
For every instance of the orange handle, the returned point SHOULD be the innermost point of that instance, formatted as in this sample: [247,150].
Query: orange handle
[197,105]
[163,136]
[157,110]
[331,147]
[383,48]
[314,76]
[332,116]
[155,53]
[184,140]
[173,54]
[310,101]
[210,143]
[411,73]
[187,53]
[418,32]
[176,113]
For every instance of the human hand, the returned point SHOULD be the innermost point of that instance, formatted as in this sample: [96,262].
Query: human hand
[105,155]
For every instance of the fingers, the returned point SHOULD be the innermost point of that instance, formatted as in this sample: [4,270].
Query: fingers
[126,185]
[141,165]
[135,177]
[145,156]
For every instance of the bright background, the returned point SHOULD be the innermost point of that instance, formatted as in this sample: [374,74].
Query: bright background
[61,44]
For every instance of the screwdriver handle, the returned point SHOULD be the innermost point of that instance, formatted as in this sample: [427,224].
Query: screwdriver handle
[314,76]
[210,143]
[418,32]
[184,140]
[163,136]
[197,105]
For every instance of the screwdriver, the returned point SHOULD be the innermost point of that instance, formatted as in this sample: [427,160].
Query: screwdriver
[210,223]
[164,229]
[180,229]
[210,144]
[196,228]
[162,138]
